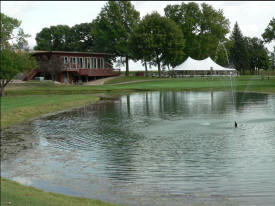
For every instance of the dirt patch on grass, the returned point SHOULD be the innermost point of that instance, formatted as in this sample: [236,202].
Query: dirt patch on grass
[134,81]
[101,81]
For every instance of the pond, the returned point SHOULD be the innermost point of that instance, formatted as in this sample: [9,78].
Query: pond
[155,148]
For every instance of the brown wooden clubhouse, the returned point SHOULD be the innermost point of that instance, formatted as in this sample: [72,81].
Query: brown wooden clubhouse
[76,67]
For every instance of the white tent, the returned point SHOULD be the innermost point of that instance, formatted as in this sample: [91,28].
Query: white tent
[202,65]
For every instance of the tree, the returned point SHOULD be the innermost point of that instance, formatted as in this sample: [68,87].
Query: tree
[272,59]
[113,28]
[22,43]
[187,16]
[202,28]
[139,48]
[8,27]
[269,33]
[13,60]
[51,64]
[213,28]
[55,38]
[13,63]
[238,53]
[64,38]
[158,40]
[257,53]
[223,53]
[81,38]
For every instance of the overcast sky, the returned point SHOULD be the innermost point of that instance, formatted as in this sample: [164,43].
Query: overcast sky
[252,16]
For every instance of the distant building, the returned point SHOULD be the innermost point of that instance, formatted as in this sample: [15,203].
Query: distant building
[71,67]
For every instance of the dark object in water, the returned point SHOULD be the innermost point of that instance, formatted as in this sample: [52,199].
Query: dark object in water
[236,124]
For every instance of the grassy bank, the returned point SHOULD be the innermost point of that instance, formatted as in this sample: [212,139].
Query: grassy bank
[246,83]
[15,109]
[14,194]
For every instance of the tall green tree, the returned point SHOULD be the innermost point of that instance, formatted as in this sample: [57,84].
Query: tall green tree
[158,40]
[223,53]
[238,52]
[202,28]
[81,38]
[269,33]
[8,27]
[13,60]
[187,16]
[113,28]
[13,63]
[55,38]
[257,53]
[272,59]
[138,45]
[65,38]
[213,28]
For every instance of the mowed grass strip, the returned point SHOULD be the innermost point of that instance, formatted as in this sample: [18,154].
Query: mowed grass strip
[124,79]
[242,84]
[14,194]
[15,109]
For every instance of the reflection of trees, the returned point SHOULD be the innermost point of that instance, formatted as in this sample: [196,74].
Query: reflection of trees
[188,103]
[117,138]
[114,128]
[161,104]
[212,101]
[193,103]
[106,128]
[254,98]
[146,105]
[128,104]
[170,102]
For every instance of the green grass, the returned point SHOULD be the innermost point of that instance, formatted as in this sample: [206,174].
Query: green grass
[14,194]
[124,79]
[246,83]
[15,109]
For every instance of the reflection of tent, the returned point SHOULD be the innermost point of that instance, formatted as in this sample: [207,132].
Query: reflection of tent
[203,66]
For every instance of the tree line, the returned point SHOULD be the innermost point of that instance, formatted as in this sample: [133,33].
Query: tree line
[186,29]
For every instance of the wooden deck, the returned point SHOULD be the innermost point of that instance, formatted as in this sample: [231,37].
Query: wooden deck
[98,72]
[81,72]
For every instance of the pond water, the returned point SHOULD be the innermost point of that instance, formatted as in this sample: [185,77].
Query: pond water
[156,148]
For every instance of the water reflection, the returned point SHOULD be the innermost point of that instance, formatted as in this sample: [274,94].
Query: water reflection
[160,148]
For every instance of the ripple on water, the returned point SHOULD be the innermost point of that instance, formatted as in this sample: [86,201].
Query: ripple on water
[160,148]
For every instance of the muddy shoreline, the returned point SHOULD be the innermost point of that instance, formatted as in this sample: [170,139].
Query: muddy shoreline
[16,139]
